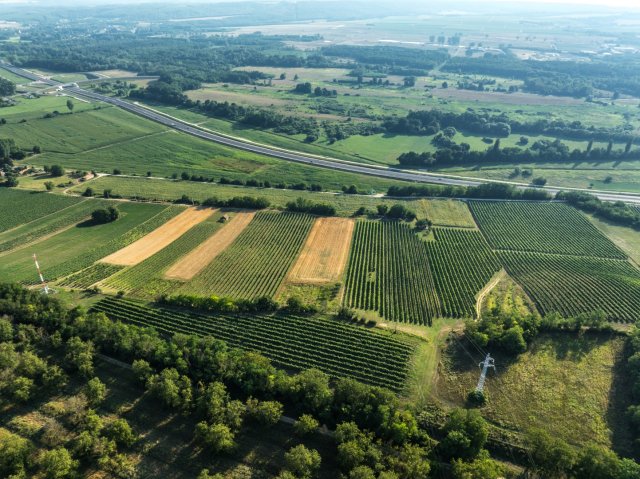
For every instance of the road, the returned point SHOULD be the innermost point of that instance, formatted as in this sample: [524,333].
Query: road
[288,155]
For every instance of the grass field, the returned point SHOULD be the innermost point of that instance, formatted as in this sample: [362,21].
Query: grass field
[77,247]
[541,227]
[569,385]
[20,207]
[339,349]
[257,261]
[388,272]
[625,238]
[48,225]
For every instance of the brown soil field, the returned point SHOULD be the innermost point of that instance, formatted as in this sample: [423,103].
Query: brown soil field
[190,265]
[159,238]
[325,253]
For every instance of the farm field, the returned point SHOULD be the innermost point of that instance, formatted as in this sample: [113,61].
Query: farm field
[324,255]
[257,261]
[461,265]
[78,247]
[89,276]
[20,207]
[572,285]
[147,279]
[158,239]
[190,265]
[38,229]
[442,212]
[625,238]
[388,272]
[339,349]
[546,387]
[541,227]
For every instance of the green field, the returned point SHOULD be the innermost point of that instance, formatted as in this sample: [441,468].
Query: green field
[569,385]
[50,224]
[78,247]
[146,278]
[442,212]
[339,349]
[571,285]
[461,265]
[257,261]
[20,207]
[388,272]
[541,227]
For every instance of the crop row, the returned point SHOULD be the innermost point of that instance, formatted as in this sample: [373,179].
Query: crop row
[541,227]
[84,261]
[90,276]
[461,263]
[45,226]
[19,207]
[145,279]
[338,349]
[388,272]
[572,285]
[258,260]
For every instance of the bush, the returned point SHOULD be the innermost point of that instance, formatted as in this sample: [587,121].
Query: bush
[306,425]
[56,170]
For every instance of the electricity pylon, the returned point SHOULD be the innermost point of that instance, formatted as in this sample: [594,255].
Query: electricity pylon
[488,362]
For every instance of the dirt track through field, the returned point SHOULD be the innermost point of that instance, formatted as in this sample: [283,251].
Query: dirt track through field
[325,253]
[191,264]
[159,238]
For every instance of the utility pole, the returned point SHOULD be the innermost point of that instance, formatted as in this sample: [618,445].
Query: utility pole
[45,287]
[488,362]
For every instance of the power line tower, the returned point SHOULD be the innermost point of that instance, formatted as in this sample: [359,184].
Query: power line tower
[45,286]
[488,362]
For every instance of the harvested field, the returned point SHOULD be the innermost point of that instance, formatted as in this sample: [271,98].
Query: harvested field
[199,258]
[325,253]
[156,240]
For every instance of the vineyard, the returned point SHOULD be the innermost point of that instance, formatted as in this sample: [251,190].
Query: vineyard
[572,285]
[90,276]
[257,261]
[339,349]
[462,264]
[388,272]
[542,228]
[146,278]
[19,207]
[35,230]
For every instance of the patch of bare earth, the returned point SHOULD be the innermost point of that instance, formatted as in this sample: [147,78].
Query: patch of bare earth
[159,238]
[191,264]
[325,253]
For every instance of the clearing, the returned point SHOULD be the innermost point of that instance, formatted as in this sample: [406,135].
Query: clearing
[325,253]
[199,258]
[159,238]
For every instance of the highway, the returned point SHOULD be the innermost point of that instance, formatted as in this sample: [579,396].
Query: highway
[288,155]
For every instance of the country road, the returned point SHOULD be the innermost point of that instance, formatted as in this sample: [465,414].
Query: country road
[289,155]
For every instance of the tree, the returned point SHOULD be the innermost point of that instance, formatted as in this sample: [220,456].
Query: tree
[79,354]
[57,463]
[142,370]
[217,437]
[301,461]
[14,452]
[551,457]
[306,425]
[20,388]
[466,433]
[56,170]
[120,431]
[96,391]
[540,181]
[595,462]
[172,388]
[482,467]
[49,185]
[70,105]
[6,330]
[362,472]
[265,413]
[310,389]
[105,215]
